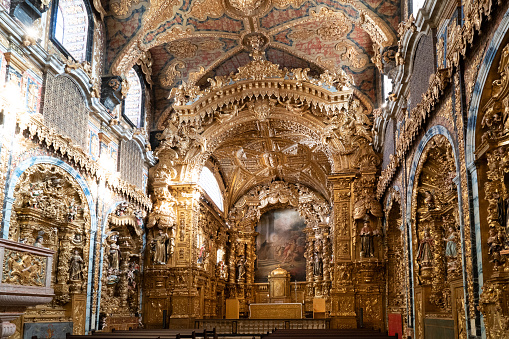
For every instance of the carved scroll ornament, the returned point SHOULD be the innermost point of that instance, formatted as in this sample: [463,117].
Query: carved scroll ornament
[495,120]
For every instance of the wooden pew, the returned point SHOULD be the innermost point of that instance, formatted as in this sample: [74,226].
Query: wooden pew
[148,334]
[327,334]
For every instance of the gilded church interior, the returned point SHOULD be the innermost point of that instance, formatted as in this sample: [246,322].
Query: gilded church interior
[202,163]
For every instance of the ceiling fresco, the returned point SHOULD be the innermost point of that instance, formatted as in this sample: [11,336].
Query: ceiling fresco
[205,38]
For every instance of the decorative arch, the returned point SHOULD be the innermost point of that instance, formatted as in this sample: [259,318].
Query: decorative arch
[419,158]
[486,127]
[12,181]
[315,210]
[325,105]
[312,206]
[471,132]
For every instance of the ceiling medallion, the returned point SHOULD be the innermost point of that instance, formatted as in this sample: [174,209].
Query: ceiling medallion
[255,43]
[246,8]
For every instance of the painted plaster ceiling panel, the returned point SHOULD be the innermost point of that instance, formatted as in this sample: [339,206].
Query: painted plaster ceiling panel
[161,21]
[285,59]
[277,16]
[223,24]
[119,31]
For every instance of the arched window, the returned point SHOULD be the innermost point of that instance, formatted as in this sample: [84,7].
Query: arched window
[387,86]
[209,184]
[416,6]
[133,102]
[72,28]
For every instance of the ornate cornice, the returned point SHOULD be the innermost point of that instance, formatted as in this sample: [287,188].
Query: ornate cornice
[48,138]
[263,78]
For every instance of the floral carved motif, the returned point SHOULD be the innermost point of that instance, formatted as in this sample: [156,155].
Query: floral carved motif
[182,49]
[22,268]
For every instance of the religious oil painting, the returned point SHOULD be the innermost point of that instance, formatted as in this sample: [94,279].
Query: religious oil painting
[281,241]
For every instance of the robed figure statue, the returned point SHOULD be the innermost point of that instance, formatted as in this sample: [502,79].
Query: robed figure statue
[159,248]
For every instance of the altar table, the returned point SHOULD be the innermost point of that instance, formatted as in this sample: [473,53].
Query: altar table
[275,311]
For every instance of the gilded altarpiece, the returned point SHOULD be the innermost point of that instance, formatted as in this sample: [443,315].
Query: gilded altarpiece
[185,266]
[436,243]
[50,210]
[259,139]
[122,252]
[312,241]
[492,137]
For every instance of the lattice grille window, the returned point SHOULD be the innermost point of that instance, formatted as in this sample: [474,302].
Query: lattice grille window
[131,163]
[64,109]
[133,100]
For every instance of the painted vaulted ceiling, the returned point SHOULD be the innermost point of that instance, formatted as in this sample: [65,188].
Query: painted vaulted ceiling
[190,41]
[185,35]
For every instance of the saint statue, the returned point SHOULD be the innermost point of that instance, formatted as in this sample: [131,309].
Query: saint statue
[317,264]
[72,213]
[159,248]
[114,267]
[201,254]
[495,245]
[241,268]
[39,239]
[450,247]
[76,266]
[222,270]
[424,253]
[367,248]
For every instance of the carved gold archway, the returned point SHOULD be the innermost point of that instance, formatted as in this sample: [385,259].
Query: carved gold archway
[436,240]
[315,210]
[491,135]
[51,210]
[323,111]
